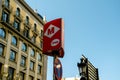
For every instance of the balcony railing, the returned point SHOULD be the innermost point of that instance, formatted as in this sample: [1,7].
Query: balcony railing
[6,7]
[25,34]
[27,24]
[41,34]
[18,17]
[35,31]
[6,22]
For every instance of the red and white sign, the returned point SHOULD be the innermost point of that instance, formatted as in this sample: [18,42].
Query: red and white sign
[53,37]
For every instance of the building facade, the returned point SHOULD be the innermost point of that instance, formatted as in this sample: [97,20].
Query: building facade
[21,33]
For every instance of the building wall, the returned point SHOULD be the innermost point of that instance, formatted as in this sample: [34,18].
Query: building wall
[21,43]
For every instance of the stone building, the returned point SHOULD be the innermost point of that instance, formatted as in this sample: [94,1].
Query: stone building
[21,38]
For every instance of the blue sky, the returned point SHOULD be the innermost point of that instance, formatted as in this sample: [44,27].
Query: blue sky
[92,28]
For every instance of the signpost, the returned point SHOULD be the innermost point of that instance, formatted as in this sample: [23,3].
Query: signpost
[57,69]
[53,42]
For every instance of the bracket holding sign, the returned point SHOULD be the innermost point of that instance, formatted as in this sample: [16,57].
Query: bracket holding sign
[53,39]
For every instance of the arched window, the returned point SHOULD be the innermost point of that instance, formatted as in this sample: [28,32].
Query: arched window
[7,3]
[1,49]
[23,61]
[16,25]
[5,16]
[12,55]
[2,33]
[33,39]
[31,66]
[24,47]
[35,27]
[39,69]
[27,20]
[32,53]
[14,40]
[18,12]
[39,57]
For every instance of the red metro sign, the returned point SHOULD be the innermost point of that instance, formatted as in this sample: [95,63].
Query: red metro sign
[53,38]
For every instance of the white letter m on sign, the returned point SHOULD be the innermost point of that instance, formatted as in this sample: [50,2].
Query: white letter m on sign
[51,30]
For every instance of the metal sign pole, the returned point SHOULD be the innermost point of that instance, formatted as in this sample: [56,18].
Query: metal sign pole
[57,67]
[54,57]
[53,68]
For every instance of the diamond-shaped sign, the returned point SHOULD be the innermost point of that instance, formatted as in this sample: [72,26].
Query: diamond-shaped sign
[51,30]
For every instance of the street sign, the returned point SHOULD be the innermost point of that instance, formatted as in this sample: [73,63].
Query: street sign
[53,38]
[57,69]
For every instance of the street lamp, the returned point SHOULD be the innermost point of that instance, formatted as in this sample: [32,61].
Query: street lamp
[82,68]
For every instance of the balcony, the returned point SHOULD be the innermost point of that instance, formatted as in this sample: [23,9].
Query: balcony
[35,31]
[6,22]
[41,36]
[28,25]
[18,17]
[6,7]
[25,33]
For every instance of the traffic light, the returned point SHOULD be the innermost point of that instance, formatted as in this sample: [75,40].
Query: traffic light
[82,78]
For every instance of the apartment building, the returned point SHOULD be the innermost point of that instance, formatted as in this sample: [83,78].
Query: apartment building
[21,38]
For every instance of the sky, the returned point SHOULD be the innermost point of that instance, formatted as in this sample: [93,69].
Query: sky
[92,28]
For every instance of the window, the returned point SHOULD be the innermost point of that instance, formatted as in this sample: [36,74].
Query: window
[14,41]
[41,34]
[39,57]
[31,65]
[18,12]
[27,20]
[6,3]
[35,27]
[23,61]
[26,33]
[5,17]
[24,47]
[32,53]
[33,39]
[12,55]
[2,33]
[22,76]
[41,44]
[1,49]
[16,25]
[39,69]
[10,73]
